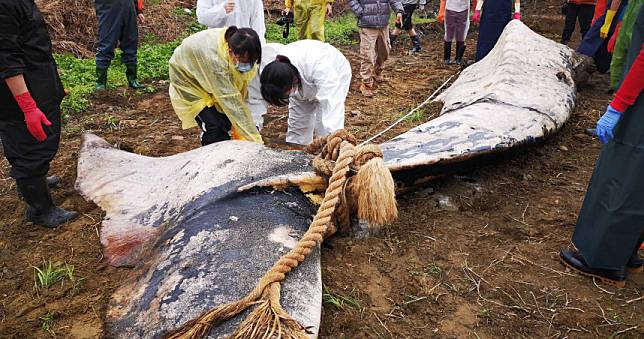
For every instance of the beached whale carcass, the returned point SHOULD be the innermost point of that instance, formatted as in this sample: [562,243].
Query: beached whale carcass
[196,241]
[521,92]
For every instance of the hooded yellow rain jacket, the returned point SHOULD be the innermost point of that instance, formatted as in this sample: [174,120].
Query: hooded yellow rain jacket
[202,75]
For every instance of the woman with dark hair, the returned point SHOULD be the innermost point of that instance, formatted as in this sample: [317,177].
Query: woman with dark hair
[313,78]
[209,76]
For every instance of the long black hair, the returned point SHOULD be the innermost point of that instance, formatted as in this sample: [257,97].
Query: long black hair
[245,43]
[277,79]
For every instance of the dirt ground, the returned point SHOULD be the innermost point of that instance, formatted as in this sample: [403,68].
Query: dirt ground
[472,256]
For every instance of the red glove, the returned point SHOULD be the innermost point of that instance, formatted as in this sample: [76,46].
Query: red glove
[34,117]
[517,16]
[477,16]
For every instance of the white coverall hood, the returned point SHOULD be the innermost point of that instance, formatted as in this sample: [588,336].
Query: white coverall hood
[319,104]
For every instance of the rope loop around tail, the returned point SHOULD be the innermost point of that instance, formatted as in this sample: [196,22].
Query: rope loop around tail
[372,191]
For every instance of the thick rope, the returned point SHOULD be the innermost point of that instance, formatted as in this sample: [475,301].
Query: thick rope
[269,318]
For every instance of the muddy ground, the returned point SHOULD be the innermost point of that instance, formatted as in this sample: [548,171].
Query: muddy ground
[472,256]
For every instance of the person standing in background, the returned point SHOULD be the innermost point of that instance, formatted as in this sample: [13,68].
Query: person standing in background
[117,26]
[409,6]
[226,13]
[30,97]
[373,20]
[456,16]
[493,15]
[578,10]
[309,16]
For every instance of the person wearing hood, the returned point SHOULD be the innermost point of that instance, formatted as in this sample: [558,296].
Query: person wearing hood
[313,79]
[209,76]
[239,13]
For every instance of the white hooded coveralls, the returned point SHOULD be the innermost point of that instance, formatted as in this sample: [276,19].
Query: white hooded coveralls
[318,105]
[247,14]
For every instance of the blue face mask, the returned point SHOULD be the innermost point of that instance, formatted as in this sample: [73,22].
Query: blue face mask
[244,67]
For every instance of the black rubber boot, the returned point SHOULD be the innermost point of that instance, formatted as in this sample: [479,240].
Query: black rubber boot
[392,39]
[41,210]
[447,52]
[52,182]
[460,50]
[415,42]
[131,75]
[101,78]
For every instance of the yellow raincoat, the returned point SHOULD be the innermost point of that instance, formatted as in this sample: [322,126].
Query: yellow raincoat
[309,17]
[202,75]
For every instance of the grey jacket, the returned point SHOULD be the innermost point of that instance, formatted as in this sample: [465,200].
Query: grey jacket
[414,2]
[374,13]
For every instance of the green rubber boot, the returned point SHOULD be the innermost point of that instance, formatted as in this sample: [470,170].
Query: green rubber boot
[101,78]
[130,73]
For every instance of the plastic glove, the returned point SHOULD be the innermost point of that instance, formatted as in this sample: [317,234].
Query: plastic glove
[34,117]
[440,18]
[603,32]
[607,123]
[517,16]
[477,16]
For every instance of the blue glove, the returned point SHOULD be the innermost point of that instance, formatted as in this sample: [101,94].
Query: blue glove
[607,123]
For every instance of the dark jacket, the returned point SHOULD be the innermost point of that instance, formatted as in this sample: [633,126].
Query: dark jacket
[25,48]
[374,13]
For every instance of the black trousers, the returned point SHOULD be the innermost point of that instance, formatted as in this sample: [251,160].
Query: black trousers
[214,125]
[28,157]
[583,14]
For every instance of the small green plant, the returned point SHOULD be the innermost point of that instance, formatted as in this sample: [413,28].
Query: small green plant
[338,301]
[48,275]
[47,322]
[485,313]
[112,122]
[416,116]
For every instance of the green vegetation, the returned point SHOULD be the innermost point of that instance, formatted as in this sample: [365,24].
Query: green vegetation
[47,322]
[338,301]
[338,31]
[51,273]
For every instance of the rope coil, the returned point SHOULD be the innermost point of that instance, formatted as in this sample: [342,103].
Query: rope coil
[370,192]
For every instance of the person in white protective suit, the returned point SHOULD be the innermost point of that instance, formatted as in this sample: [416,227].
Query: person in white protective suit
[240,13]
[313,78]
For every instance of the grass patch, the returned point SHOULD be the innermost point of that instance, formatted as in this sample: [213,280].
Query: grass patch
[338,31]
[338,301]
[47,322]
[52,273]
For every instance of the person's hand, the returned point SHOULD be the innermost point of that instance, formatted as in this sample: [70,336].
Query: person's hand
[229,6]
[440,18]
[608,20]
[329,9]
[399,18]
[517,16]
[286,11]
[34,117]
[141,18]
[421,8]
[607,123]
[477,16]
